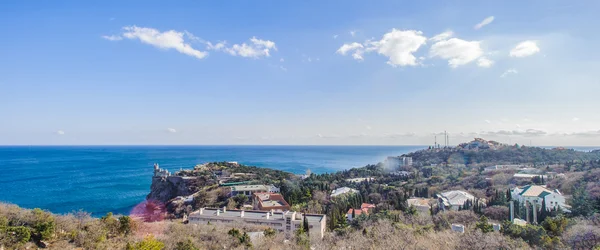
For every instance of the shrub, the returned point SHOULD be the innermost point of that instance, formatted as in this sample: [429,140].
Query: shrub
[149,243]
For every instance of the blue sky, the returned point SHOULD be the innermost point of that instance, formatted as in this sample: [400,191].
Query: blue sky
[303,72]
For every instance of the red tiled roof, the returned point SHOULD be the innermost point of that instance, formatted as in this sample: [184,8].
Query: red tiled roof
[358,212]
[367,205]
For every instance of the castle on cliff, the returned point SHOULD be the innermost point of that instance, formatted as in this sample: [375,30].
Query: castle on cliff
[159,172]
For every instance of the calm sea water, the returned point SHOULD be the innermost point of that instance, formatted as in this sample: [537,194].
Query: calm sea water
[101,179]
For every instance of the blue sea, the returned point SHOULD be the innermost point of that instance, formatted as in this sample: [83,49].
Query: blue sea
[101,179]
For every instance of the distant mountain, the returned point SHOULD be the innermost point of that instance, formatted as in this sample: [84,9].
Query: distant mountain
[480,151]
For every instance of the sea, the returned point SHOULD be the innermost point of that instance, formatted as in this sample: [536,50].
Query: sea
[101,179]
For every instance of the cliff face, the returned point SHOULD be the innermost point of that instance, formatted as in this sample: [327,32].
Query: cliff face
[166,188]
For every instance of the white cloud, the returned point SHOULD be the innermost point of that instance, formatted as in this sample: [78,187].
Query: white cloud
[399,46]
[575,119]
[164,40]
[349,47]
[356,47]
[113,38]
[255,49]
[353,33]
[60,132]
[526,48]
[485,22]
[509,72]
[457,51]
[526,133]
[216,46]
[171,130]
[484,62]
[584,133]
[283,68]
[442,36]
[335,36]
[368,127]
[488,121]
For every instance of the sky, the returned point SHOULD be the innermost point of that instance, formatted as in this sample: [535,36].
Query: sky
[299,72]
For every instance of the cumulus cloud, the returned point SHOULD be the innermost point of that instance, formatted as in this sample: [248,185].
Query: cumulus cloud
[458,52]
[163,40]
[485,22]
[526,48]
[484,62]
[60,132]
[113,38]
[349,47]
[509,72]
[171,130]
[255,49]
[356,47]
[397,45]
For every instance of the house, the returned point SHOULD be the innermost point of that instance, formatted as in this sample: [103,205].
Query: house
[453,200]
[401,173]
[359,180]
[421,204]
[353,213]
[269,201]
[364,209]
[367,206]
[398,161]
[287,222]
[343,190]
[248,190]
[535,194]
[504,167]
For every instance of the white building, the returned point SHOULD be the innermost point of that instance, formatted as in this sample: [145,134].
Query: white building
[287,222]
[248,190]
[535,195]
[343,190]
[453,200]
[399,161]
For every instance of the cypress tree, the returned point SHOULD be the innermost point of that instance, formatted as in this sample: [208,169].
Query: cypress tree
[305,225]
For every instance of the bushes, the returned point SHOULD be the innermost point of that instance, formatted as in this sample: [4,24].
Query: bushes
[149,243]
[18,235]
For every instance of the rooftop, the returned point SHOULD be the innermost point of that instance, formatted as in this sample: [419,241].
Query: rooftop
[255,214]
[249,187]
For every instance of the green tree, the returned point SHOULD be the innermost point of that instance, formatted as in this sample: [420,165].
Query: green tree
[484,225]
[149,243]
[44,224]
[186,245]
[582,205]
[305,225]
[19,235]
[125,225]
[245,240]
[269,232]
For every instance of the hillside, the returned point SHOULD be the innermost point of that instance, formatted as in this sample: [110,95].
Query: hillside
[480,151]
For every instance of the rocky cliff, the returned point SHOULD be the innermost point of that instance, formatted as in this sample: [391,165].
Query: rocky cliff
[166,188]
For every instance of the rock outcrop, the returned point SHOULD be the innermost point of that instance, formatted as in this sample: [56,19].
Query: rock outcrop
[166,188]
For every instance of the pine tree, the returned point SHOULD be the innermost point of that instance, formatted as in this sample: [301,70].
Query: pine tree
[305,225]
